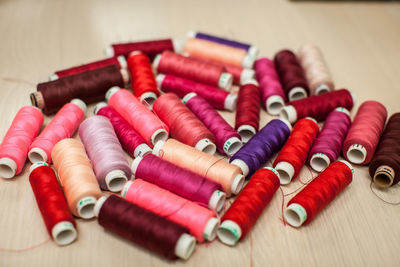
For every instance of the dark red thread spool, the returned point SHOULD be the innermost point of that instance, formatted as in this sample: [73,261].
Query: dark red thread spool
[150,48]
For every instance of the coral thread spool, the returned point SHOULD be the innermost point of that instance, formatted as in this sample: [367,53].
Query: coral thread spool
[52,204]
[15,145]
[63,125]
[150,48]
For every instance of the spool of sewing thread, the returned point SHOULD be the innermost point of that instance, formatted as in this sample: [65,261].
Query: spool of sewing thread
[261,147]
[318,106]
[144,228]
[248,110]
[213,168]
[52,204]
[242,215]
[193,69]
[63,125]
[364,134]
[321,191]
[199,220]
[149,48]
[133,143]
[250,49]
[143,82]
[179,181]
[218,98]
[227,139]
[105,152]
[385,165]
[118,61]
[183,125]
[327,146]
[145,122]
[218,52]
[76,177]
[15,146]
[291,74]
[294,153]
[315,69]
[89,86]
[272,94]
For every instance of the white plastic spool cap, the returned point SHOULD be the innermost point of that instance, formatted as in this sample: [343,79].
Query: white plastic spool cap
[98,107]
[191,34]
[53,77]
[178,46]
[319,162]
[85,207]
[251,81]
[125,188]
[149,97]
[253,51]
[246,132]
[184,246]
[122,62]
[229,232]
[246,75]
[237,184]
[248,61]
[8,167]
[274,104]
[159,135]
[211,228]
[289,113]
[109,51]
[159,79]
[232,145]
[321,89]
[141,150]
[295,215]
[286,172]
[111,91]
[384,176]
[230,102]
[225,81]
[135,164]
[37,154]
[205,145]
[64,233]
[286,122]
[297,93]
[156,61]
[349,166]
[356,154]
[158,147]
[99,204]
[80,104]
[217,200]
[125,75]
[242,165]
[115,180]
[37,165]
[187,97]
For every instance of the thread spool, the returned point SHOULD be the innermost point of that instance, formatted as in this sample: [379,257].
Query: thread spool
[248,111]
[321,191]
[317,106]
[291,75]
[272,94]
[76,177]
[63,125]
[315,69]
[89,86]
[150,48]
[217,170]
[218,52]
[143,82]
[199,220]
[144,228]
[218,98]
[261,146]
[151,128]
[193,69]
[248,206]
[327,146]
[384,168]
[105,152]
[294,153]
[50,199]
[179,181]
[14,148]
[227,139]
[363,137]
[118,61]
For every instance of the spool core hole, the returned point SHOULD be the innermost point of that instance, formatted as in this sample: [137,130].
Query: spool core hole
[246,135]
[226,236]
[209,149]
[35,157]
[275,108]
[65,237]
[6,171]
[161,136]
[234,148]
[87,211]
[297,96]
[292,218]
[383,180]
[284,114]
[284,177]
[116,184]
[356,156]
[318,164]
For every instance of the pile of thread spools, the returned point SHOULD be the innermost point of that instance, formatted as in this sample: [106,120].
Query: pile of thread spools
[175,189]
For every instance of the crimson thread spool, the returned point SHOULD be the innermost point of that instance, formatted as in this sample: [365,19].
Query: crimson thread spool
[218,98]
[63,125]
[143,82]
[145,122]
[248,110]
[200,221]
[294,153]
[15,145]
[179,181]
[50,199]
[385,165]
[248,206]
[144,228]
[118,61]
[321,191]
[317,106]
[89,86]
[183,125]
[291,75]
[193,69]
[363,137]
[227,139]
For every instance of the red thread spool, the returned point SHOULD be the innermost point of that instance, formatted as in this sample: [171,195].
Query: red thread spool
[248,110]
[248,206]
[144,85]
[183,125]
[294,153]
[149,48]
[193,69]
[52,204]
[321,191]
[318,106]
[118,61]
